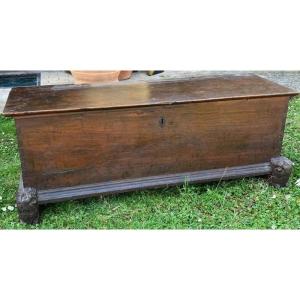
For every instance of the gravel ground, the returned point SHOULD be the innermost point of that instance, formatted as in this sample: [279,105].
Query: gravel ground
[290,79]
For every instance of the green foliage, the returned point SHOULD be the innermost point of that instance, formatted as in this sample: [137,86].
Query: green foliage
[247,203]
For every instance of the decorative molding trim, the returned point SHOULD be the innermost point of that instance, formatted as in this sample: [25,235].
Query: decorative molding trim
[111,187]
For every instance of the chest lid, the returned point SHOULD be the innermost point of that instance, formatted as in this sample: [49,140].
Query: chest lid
[70,98]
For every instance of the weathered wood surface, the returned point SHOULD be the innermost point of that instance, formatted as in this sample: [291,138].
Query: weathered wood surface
[81,141]
[27,204]
[96,146]
[127,185]
[48,99]
[281,171]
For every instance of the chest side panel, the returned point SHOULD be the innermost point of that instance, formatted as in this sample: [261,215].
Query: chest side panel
[71,149]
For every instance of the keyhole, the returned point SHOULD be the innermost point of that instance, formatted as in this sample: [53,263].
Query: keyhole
[162,121]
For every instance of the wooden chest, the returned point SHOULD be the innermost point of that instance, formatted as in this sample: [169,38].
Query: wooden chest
[80,141]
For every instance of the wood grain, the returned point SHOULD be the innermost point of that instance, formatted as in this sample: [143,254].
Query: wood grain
[69,149]
[50,99]
[127,185]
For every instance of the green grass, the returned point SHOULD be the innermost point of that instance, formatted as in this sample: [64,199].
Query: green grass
[247,203]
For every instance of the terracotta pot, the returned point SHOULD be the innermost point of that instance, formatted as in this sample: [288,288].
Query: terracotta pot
[125,75]
[95,76]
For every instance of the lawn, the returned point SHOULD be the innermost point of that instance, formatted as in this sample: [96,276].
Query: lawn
[246,204]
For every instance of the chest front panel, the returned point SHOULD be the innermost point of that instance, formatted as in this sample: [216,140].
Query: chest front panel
[68,149]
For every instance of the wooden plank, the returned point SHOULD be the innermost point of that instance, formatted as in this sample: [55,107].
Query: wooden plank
[52,99]
[80,148]
[104,188]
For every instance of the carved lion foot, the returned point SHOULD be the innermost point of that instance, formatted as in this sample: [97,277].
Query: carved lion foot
[281,171]
[27,204]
